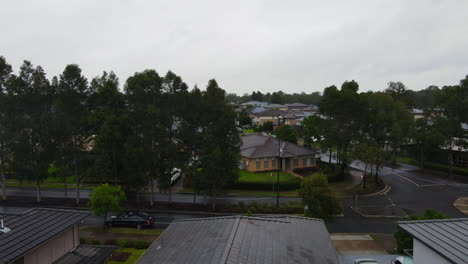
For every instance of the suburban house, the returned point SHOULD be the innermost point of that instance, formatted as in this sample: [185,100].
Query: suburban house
[45,236]
[260,153]
[438,241]
[297,106]
[254,104]
[243,239]
[276,106]
[269,115]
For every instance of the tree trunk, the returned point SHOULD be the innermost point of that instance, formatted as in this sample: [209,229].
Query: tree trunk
[152,192]
[330,154]
[65,186]
[77,182]
[3,179]
[38,191]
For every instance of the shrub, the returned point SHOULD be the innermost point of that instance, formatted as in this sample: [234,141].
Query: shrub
[126,243]
[82,240]
[249,213]
[95,242]
[111,242]
[142,244]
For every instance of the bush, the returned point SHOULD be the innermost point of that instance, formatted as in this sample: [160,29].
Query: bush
[95,242]
[142,244]
[111,242]
[126,243]
[82,240]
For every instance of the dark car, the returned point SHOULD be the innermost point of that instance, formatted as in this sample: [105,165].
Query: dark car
[132,218]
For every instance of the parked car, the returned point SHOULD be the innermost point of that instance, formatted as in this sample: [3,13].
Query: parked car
[176,174]
[132,218]
[402,260]
[365,261]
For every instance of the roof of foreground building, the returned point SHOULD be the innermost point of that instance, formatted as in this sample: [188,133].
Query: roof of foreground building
[242,239]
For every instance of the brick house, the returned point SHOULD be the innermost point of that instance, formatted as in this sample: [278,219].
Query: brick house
[260,153]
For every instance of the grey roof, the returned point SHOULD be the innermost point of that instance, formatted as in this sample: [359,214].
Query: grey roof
[260,146]
[257,109]
[447,237]
[87,254]
[297,105]
[275,106]
[33,228]
[271,112]
[242,239]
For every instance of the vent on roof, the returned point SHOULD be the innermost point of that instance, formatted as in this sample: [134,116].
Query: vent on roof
[4,229]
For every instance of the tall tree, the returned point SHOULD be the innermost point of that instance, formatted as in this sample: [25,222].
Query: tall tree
[143,91]
[287,133]
[72,111]
[5,75]
[219,151]
[33,145]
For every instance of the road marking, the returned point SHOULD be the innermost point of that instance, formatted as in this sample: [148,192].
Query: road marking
[421,185]
[405,178]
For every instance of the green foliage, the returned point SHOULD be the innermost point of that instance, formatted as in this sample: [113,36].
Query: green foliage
[265,127]
[249,212]
[287,133]
[319,198]
[106,198]
[95,242]
[138,244]
[404,239]
[244,118]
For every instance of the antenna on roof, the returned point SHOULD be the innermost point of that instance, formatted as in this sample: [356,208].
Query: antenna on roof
[3,228]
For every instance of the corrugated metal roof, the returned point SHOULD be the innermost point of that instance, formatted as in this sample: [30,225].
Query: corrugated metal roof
[32,228]
[242,239]
[447,237]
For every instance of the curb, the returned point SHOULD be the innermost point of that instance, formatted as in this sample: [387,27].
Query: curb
[385,190]
[377,216]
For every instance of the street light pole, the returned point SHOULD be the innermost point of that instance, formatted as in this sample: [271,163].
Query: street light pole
[279,163]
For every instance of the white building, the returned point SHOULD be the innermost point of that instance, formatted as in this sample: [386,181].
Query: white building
[438,241]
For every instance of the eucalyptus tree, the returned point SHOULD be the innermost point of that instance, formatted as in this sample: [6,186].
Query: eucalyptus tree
[109,120]
[5,75]
[33,145]
[220,148]
[72,112]
[143,93]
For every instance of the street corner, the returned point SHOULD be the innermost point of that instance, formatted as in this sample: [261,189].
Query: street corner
[380,211]
[462,204]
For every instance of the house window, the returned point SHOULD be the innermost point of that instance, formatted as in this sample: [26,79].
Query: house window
[310,161]
[304,162]
[273,163]
[265,164]
[295,162]
[257,164]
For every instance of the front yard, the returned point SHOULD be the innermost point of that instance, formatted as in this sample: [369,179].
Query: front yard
[265,177]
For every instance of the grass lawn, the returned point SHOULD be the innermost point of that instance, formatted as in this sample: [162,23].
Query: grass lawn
[265,177]
[248,131]
[123,230]
[45,184]
[135,255]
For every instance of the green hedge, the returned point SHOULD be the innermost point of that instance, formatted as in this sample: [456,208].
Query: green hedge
[291,185]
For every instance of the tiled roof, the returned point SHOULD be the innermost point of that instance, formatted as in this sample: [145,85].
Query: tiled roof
[32,228]
[242,239]
[87,254]
[271,112]
[447,237]
[259,146]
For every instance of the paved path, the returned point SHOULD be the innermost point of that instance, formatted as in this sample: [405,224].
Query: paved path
[462,205]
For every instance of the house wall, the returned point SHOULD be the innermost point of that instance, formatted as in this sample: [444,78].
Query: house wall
[54,248]
[423,254]
[295,163]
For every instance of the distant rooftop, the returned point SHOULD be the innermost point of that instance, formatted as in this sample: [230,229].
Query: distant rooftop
[242,239]
[32,228]
[447,237]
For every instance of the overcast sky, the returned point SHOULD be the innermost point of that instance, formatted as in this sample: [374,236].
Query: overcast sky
[293,46]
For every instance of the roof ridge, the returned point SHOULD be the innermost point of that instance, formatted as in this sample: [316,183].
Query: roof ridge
[433,220]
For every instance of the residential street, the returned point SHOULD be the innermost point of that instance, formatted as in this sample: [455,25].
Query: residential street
[412,190]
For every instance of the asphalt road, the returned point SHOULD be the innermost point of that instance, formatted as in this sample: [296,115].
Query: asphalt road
[412,190]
